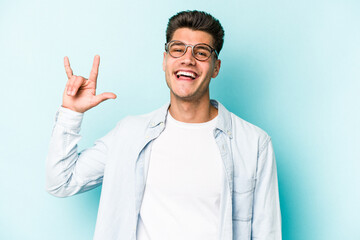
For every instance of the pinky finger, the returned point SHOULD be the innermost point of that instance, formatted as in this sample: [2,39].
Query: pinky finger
[68,69]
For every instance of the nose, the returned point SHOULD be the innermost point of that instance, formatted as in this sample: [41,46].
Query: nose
[188,58]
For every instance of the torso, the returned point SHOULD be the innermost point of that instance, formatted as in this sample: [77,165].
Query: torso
[183,187]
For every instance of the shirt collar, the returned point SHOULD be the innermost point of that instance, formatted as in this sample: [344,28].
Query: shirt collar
[159,116]
[223,123]
[224,118]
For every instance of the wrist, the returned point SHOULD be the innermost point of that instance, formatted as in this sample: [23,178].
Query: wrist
[72,108]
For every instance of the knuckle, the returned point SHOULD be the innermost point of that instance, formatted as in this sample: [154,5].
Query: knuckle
[71,81]
[79,79]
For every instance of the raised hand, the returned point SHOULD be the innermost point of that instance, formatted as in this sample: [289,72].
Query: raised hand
[80,93]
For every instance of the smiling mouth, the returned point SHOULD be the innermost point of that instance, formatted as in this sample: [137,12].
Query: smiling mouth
[186,75]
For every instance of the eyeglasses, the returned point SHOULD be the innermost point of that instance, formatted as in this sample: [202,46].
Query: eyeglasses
[200,51]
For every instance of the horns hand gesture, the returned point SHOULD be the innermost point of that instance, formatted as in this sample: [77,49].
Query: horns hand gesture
[80,93]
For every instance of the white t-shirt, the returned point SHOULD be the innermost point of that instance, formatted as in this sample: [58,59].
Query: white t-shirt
[183,187]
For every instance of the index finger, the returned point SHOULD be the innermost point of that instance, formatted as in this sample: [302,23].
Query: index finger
[95,69]
[68,69]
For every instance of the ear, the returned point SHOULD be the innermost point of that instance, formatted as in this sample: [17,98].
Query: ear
[216,68]
[164,61]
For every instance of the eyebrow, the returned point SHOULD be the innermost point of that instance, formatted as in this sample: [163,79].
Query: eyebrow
[203,46]
[177,43]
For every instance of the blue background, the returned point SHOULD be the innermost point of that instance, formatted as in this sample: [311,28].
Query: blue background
[290,67]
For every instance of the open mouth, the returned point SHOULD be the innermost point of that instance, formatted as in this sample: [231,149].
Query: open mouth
[185,75]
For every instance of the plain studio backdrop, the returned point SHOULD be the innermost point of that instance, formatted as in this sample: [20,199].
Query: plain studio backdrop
[290,67]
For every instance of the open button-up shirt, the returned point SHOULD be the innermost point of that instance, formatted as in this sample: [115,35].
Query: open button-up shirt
[250,200]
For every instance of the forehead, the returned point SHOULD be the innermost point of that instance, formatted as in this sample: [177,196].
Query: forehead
[192,37]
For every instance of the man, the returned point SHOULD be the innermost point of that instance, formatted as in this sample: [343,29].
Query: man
[190,170]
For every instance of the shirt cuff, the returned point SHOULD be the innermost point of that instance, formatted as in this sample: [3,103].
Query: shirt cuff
[68,118]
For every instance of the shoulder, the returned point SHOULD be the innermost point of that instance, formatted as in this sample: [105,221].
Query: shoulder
[237,125]
[245,135]
[143,121]
[244,130]
[244,126]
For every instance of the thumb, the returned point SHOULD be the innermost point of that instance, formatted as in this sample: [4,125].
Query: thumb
[103,96]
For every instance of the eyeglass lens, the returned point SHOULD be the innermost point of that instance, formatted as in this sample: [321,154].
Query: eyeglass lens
[200,51]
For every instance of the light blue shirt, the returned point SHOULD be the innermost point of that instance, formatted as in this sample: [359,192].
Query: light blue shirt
[250,200]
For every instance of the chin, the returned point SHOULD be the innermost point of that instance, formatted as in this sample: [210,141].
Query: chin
[184,97]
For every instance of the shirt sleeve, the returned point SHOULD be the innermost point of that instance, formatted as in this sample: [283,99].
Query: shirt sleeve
[68,171]
[266,222]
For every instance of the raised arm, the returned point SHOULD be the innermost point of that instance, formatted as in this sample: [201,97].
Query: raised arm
[67,171]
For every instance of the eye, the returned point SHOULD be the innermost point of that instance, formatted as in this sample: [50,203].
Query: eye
[177,48]
[202,52]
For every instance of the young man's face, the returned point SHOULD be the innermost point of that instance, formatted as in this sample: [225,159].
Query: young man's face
[183,87]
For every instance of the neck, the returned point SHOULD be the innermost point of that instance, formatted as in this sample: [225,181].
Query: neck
[192,111]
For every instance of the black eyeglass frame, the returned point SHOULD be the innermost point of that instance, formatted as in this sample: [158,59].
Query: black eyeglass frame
[192,49]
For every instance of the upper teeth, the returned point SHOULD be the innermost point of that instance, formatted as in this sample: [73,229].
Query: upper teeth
[188,74]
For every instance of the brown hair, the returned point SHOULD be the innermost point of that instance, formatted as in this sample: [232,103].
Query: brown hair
[197,20]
